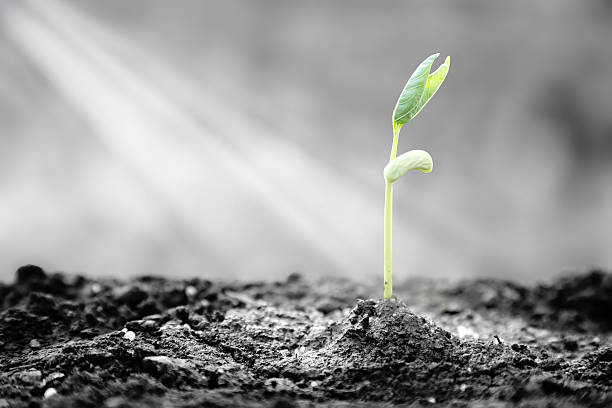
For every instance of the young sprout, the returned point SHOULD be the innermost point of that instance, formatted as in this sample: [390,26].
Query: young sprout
[421,86]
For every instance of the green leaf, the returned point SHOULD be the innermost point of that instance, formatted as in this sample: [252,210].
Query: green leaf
[408,102]
[420,88]
[434,81]
[402,164]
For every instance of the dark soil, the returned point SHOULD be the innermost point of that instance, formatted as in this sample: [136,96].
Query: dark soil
[69,341]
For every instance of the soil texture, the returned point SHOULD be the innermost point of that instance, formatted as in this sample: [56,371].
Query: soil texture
[71,341]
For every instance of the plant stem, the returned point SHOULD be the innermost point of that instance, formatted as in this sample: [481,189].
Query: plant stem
[396,131]
[388,247]
[387,240]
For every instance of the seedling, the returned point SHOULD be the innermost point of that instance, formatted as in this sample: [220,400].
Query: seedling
[421,86]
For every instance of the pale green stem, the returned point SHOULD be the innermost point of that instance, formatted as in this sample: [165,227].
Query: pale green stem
[396,131]
[387,241]
[388,247]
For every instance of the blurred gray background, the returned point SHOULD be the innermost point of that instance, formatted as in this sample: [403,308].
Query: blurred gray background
[246,139]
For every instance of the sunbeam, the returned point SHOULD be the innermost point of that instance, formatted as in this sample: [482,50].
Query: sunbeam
[332,210]
[202,171]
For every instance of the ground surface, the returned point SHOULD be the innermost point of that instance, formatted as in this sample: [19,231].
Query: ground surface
[68,341]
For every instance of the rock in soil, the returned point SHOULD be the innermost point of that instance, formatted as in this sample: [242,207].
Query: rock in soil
[70,341]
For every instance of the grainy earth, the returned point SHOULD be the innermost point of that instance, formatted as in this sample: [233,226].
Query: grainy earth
[70,341]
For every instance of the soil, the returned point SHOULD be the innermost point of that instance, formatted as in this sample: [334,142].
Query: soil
[71,341]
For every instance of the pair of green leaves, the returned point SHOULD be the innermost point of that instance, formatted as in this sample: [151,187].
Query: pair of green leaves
[421,86]
[419,89]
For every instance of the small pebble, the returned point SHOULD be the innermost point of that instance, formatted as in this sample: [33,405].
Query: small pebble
[314,384]
[49,392]
[129,335]
[191,291]
[462,387]
[34,343]
[96,288]
[431,400]
[124,330]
